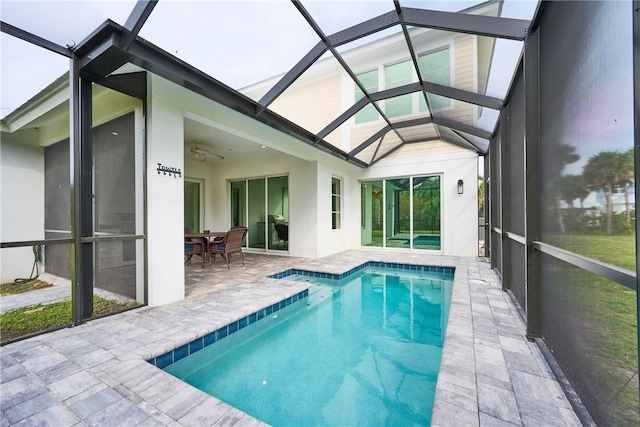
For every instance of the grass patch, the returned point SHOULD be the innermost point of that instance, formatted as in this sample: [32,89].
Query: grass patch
[13,288]
[616,250]
[606,313]
[28,320]
[603,315]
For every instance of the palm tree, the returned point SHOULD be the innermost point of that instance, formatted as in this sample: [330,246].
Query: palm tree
[572,187]
[628,178]
[563,155]
[604,171]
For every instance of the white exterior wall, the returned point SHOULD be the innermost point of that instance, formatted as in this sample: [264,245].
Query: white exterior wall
[22,203]
[303,239]
[459,212]
[334,241]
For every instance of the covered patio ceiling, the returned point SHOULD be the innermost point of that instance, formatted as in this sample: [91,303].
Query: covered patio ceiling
[316,33]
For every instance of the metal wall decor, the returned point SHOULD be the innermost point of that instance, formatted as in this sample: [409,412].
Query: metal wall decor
[176,172]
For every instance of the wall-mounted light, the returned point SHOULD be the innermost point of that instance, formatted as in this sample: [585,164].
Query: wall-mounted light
[460,186]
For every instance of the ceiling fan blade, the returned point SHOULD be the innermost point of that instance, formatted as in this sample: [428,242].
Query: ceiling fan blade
[200,153]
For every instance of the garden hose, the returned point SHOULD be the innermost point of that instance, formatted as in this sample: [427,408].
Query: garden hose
[37,257]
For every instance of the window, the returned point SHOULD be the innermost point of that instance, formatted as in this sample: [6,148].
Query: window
[435,68]
[370,82]
[394,76]
[336,192]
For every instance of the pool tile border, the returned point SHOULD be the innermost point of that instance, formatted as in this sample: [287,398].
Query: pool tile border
[198,344]
[410,267]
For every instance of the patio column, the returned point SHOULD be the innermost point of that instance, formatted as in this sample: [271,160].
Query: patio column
[165,193]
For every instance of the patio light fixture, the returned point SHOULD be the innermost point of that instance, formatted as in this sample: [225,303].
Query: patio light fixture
[460,186]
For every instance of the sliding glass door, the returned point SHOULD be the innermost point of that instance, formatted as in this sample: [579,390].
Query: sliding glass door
[372,213]
[262,205]
[398,225]
[278,213]
[401,213]
[256,213]
[238,204]
[192,206]
[426,212]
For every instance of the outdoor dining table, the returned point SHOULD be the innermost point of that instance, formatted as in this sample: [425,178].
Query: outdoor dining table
[203,234]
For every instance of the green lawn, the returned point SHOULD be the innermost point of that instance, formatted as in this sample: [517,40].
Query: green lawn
[604,318]
[616,250]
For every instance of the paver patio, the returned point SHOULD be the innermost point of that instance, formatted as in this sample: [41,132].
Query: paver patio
[96,373]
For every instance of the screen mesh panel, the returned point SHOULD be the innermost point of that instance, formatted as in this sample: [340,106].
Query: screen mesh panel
[516,159]
[115,204]
[586,129]
[589,323]
[517,266]
[57,213]
[495,202]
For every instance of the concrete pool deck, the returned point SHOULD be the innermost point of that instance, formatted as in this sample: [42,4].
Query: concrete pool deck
[96,373]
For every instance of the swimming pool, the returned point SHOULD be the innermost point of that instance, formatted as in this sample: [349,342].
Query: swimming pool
[361,350]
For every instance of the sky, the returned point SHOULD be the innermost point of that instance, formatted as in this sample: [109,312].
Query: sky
[230,40]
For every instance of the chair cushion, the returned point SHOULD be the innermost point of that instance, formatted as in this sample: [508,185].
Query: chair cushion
[222,246]
[188,248]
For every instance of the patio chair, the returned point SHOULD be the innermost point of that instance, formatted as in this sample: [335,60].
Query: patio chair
[203,240]
[231,243]
[192,248]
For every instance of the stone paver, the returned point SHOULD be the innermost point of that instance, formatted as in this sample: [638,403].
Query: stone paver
[46,295]
[96,374]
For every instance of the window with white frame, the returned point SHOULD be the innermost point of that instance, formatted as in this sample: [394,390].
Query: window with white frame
[370,82]
[336,203]
[396,75]
[435,67]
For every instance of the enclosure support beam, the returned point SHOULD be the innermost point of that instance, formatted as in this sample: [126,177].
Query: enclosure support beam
[636,143]
[136,20]
[532,184]
[80,158]
[505,192]
[35,40]
[487,208]
[490,26]
[494,188]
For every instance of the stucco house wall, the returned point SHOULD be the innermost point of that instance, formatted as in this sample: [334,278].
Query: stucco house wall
[22,206]
[459,212]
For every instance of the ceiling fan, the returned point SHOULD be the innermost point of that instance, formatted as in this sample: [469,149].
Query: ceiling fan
[200,153]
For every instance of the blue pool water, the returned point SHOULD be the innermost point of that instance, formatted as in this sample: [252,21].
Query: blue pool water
[364,350]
